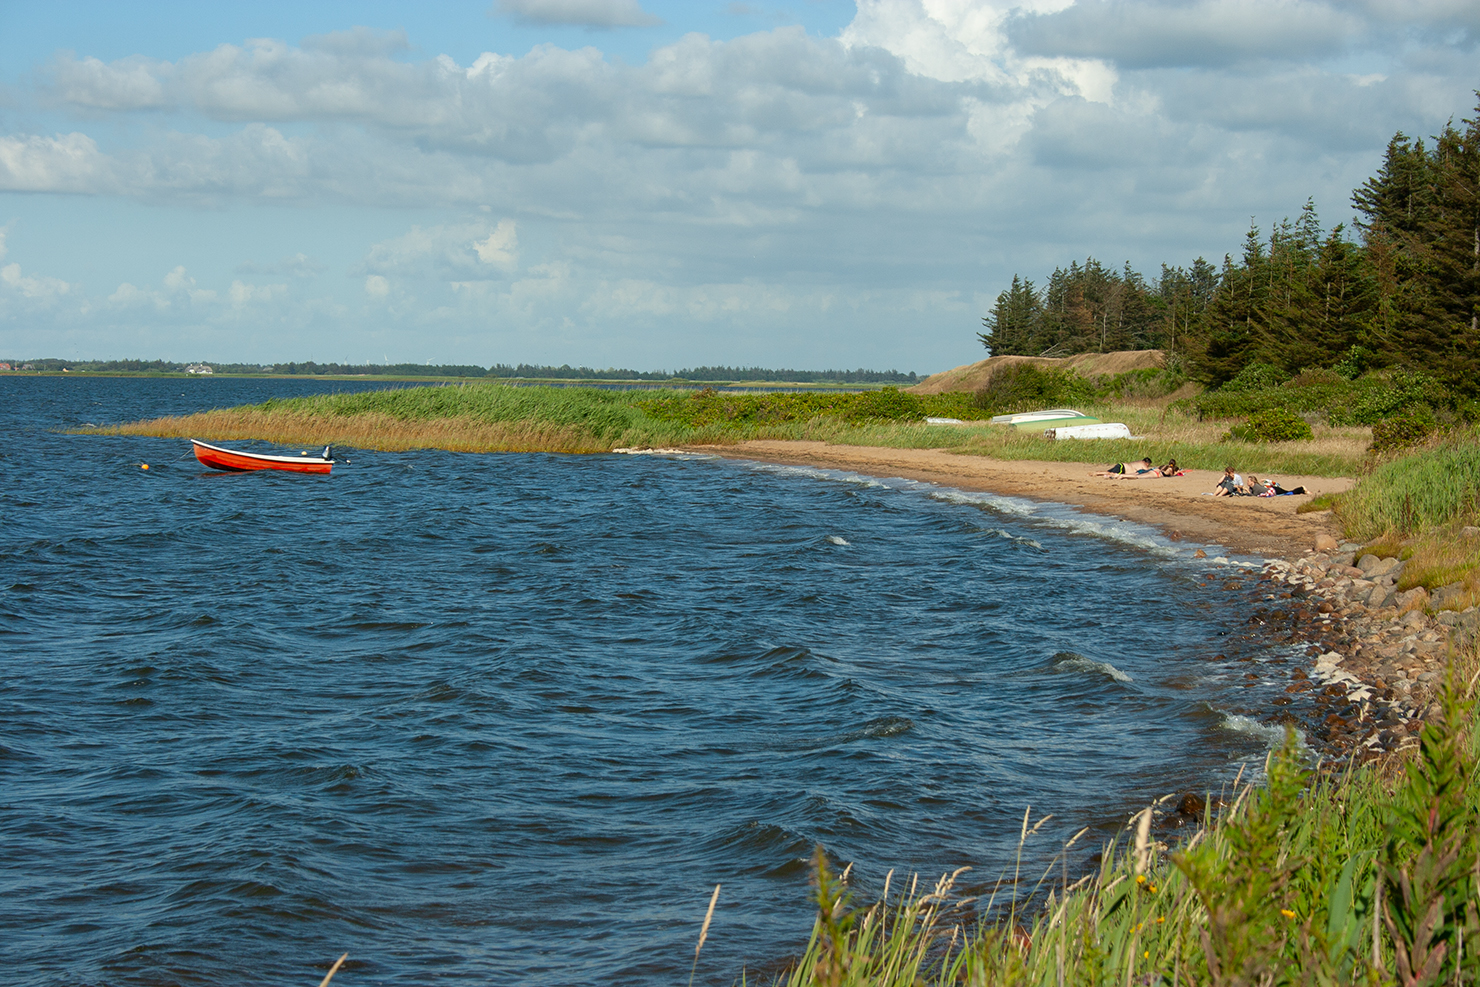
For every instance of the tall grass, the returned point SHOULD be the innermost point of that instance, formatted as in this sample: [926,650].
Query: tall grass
[487,416]
[1368,876]
[1429,489]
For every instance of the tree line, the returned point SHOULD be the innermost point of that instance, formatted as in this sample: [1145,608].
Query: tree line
[499,370]
[1403,288]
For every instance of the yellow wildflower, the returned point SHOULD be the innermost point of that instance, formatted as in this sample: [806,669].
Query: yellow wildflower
[1287,913]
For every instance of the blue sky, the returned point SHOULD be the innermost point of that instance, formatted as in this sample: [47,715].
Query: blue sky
[655,184]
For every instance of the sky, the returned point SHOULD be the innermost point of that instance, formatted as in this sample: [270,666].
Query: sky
[655,184]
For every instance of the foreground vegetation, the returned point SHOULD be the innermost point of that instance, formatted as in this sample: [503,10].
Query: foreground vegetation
[1370,876]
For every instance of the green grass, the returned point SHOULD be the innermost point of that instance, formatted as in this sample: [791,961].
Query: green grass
[1366,877]
[490,416]
[1425,490]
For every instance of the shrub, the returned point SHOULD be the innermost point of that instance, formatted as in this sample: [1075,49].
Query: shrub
[1354,363]
[1026,386]
[888,404]
[1272,425]
[1313,376]
[1149,382]
[1384,394]
[1408,427]
[1257,377]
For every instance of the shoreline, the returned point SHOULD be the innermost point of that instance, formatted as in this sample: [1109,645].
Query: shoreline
[1178,506]
[1373,657]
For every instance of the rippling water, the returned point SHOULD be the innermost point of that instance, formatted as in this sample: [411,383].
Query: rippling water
[509,718]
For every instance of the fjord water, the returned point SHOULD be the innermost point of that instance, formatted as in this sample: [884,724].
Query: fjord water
[507,719]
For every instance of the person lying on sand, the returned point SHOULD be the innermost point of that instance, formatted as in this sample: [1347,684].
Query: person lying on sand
[1130,471]
[1272,488]
[1170,469]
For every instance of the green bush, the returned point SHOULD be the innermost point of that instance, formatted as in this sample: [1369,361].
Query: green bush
[886,404]
[1408,427]
[1027,387]
[1386,393]
[1149,382]
[1314,377]
[1257,377]
[1272,425]
[1378,395]
[1354,363]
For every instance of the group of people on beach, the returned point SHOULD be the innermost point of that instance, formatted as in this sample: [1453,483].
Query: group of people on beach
[1232,484]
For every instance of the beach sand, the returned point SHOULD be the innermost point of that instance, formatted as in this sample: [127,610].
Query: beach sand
[1266,526]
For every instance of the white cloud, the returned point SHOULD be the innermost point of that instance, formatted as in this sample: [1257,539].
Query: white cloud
[179,286]
[65,163]
[242,294]
[377,286]
[500,247]
[463,251]
[587,13]
[42,290]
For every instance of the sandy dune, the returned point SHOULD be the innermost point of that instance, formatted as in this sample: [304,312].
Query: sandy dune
[1265,526]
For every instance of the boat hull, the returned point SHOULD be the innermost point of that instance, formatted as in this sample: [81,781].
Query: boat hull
[1030,417]
[1045,423]
[1098,430]
[244,462]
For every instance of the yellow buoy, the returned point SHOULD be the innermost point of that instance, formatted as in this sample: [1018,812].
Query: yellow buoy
[143,466]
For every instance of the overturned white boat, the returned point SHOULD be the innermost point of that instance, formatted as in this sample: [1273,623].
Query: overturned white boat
[1028,417]
[1098,430]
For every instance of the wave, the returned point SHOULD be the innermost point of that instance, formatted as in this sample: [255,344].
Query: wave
[838,540]
[1073,661]
[1272,734]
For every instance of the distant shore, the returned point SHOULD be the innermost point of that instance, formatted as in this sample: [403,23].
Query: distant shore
[1266,526]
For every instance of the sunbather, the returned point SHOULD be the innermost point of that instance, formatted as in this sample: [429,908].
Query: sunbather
[1232,485]
[1130,471]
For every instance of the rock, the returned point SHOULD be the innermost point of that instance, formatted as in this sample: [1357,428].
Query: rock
[1382,567]
[1412,599]
[1325,543]
[1445,596]
[1469,531]
[1367,562]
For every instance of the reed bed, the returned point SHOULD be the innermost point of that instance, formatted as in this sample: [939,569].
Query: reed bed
[1425,490]
[1369,875]
[491,417]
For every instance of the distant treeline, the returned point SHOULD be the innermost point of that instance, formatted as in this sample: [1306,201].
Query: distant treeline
[1407,293]
[501,370]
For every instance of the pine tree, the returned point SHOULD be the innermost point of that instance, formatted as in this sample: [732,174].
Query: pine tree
[1014,324]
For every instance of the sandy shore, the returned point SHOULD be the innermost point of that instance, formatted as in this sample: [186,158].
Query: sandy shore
[1179,506]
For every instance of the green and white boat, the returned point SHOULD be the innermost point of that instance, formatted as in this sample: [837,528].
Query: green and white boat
[1048,418]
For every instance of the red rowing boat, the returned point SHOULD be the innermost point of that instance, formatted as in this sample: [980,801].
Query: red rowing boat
[239,462]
